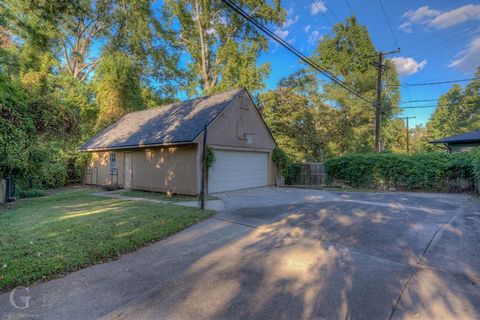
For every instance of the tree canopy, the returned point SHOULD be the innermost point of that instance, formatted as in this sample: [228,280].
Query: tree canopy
[70,68]
[222,49]
[458,111]
[314,119]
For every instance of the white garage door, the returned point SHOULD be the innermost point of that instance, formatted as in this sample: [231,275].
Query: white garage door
[234,170]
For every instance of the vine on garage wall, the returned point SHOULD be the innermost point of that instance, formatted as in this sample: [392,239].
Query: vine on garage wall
[209,161]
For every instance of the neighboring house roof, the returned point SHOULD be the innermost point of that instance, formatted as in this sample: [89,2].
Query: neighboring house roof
[175,123]
[473,136]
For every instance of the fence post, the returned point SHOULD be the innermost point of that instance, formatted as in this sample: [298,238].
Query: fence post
[3,191]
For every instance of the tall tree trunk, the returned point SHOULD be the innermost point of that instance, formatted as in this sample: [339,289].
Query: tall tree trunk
[204,51]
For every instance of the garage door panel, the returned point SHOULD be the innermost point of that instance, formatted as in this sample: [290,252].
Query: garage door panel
[234,170]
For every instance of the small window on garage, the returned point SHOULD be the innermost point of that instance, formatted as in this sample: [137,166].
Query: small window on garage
[244,103]
[113,162]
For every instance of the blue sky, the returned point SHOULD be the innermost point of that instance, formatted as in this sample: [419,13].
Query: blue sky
[440,40]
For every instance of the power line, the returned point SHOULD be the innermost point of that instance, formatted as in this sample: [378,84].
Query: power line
[420,43]
[424,100]
[328,19]
[445,77]
[333,14]
[410,97]
[419,107]
[417,47]
[427,100]
[472,103]
[430,83]
[293,50]
[350,7]
[447,43]
[388,22]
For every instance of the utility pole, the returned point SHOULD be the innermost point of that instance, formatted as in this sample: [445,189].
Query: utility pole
[408,132]
[378,104]
[204,170]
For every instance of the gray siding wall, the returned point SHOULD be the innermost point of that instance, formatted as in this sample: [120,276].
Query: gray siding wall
[153,169]
[463,147]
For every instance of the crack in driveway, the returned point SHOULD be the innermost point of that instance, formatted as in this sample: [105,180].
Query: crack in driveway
[292,254]
[459,211]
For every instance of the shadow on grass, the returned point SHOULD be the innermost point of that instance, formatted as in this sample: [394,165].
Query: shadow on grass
[69,230]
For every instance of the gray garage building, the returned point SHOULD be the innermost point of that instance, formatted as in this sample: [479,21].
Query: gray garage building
[460,142]
[160,149]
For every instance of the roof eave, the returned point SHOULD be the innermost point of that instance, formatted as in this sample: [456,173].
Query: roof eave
[454,142]
[137,146]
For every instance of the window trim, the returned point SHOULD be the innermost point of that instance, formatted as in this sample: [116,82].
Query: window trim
[112,162]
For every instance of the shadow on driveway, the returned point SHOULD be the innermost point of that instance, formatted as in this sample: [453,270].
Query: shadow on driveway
[347,257]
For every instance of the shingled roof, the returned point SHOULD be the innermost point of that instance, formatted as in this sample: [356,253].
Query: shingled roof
[175,123]
[473,136]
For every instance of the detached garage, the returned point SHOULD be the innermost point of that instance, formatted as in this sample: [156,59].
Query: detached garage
[235,170]
[160,149]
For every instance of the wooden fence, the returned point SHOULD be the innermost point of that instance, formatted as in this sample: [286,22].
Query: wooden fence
[310,174]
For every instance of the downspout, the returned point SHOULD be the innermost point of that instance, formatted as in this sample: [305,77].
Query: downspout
[444,147]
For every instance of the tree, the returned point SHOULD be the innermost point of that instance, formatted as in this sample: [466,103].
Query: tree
[15,127]
[222,48]
[419,138]
[312,119]
[348,54]
[117,87]
[395,136]
[444,120]
[77,33]
[70,68]
[290,114]
[458,111]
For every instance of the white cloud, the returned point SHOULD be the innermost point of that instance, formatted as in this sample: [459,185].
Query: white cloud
[282,33]
[434,18]
[290,21]
[421,14]
[457,16]
[408,66]
[406,26]
[469,59]
[314,37]
[307,28]
[318,6]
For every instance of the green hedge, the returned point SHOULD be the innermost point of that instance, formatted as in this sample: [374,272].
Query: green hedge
[285,166]
[429,171]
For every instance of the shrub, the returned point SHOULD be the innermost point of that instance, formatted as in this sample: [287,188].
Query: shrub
[31,193]
[285,166]
[281,160]
[428,171]
[476,168]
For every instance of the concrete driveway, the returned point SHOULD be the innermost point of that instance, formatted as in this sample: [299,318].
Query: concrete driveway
[289,254]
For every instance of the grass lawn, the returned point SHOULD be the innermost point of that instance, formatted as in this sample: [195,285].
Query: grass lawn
[45,237]
[161,196]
